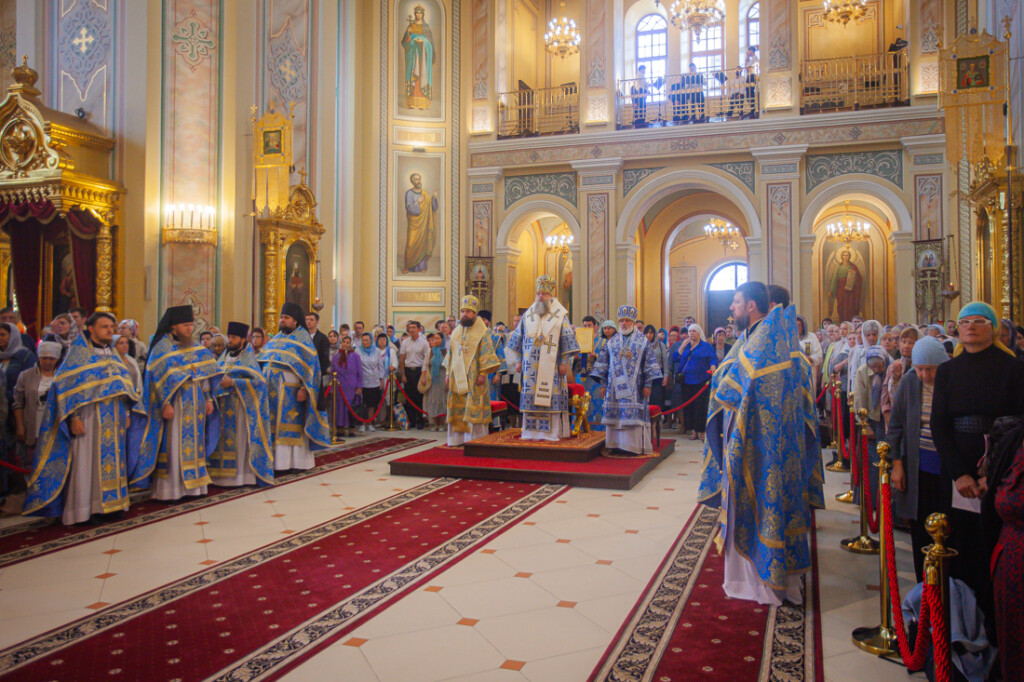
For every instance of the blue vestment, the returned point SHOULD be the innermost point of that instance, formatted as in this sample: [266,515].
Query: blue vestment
[176,372]
[294,421]
[86,377]
[248,397]
[524,342]
[626,366]
[762,435]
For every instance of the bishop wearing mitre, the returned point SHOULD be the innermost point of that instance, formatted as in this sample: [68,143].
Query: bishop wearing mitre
[470,359]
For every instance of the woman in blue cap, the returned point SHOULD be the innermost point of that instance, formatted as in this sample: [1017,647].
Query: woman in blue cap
[983,381]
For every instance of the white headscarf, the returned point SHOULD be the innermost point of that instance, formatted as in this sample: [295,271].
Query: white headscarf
[699,330]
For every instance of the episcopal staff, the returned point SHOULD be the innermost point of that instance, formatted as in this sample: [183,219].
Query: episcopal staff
[245,452]
[627,368]
[290,363]
[83,456]
[544,346]
[470,359]
[183,426]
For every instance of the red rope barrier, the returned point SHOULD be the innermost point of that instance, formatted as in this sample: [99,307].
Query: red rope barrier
[353,412]
[14,467]
[865,488]
[409,400]
[940,633]
[695,396]
[822,394]
[837,415]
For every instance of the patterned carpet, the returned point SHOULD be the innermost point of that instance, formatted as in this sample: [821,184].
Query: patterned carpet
[685,628]
[42,536]
[264,612]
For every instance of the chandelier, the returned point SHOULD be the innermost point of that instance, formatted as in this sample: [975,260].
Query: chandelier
[559,243]
[562,38]
[846,229]
[724,231]
[694,15]
[845,11]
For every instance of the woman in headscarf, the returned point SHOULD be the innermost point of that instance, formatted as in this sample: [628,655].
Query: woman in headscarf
[870,331]
[660,350]
[333,339]
[63,331]
[1008,337]
[907,338]
[694,361]
[918,486]
[374,377]
[722,347]
[811,347]
[389,366]
[867,395]
[14,357]
[130,328]
[348,381]
[435,401]
[124,347]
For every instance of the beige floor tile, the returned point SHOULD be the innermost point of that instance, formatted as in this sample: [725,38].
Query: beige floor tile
[438,654]
[578,527]
[521,536]
[544,558]
[618,546]
[476,568]
[337,662]
[587,582]
[498,598]
[416,611]
[574,666]
[609,612]
[542,634]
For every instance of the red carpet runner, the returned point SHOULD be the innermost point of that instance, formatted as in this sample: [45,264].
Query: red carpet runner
[262,612]
[42,536]
[685,628]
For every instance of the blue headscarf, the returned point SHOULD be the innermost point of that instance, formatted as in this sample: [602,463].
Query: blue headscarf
[979,308]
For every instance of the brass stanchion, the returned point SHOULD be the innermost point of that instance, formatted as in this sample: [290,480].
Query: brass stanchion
[847,497]
[838,466]
[936,570]
[862,543]
[335,440]
[881,639]
[391,410]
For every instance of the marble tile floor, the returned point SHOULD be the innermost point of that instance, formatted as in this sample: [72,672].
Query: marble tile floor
[539,602]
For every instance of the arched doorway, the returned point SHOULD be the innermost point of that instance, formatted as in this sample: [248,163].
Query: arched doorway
[719,289]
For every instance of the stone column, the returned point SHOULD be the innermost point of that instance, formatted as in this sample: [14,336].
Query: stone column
[778,191]
[484,209]
[902,245]
[598,180]
[597,74]
[625,275]
[506,264]
[483,123]
[780,62]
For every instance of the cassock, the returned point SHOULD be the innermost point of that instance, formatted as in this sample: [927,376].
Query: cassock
[762,466]
[470,356]
[245,451]
[625,367]
[290,362]
[178,450]
[544,343]
[76,477]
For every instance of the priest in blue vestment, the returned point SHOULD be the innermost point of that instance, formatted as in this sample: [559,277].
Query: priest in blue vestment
[626,369]
[183,426]
[762,463]
[290,363]
[83,456]
[245,453]
[543,346]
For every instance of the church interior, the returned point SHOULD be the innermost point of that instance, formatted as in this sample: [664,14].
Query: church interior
[379,161]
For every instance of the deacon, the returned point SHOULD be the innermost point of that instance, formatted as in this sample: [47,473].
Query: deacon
[290,363]
[470,358]
[627,369]
[245,451]
[544,345]
[183,427]
[762,462]
[82,457]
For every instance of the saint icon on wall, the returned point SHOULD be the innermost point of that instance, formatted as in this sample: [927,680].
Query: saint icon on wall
[421,226]
[297,276]
[420,58]
[844,279]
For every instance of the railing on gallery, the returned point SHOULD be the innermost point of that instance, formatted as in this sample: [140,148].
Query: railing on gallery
[864,81]
[547,111]
[701,96]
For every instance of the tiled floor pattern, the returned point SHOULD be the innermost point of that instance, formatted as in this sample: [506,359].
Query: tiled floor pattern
[540,602]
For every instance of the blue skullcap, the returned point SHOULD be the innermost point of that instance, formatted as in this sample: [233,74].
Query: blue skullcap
[979,308]
[929,350]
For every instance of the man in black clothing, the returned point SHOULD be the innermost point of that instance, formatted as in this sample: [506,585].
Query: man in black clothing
[320,342]
[981,384]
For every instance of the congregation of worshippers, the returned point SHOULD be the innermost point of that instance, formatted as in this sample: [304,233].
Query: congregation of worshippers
[98,412]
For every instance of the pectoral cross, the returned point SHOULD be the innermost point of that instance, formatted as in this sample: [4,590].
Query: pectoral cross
[730,319]
[547,342]
[626,353]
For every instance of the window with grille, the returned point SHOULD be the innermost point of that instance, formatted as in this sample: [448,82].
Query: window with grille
[652,50]
[708,53]
[754,25]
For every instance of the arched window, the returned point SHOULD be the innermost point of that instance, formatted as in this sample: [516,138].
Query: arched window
[754,25]
[708,53]
[728,277]
[652,47]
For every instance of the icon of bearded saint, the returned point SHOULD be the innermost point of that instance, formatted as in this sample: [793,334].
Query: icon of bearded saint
[845,285]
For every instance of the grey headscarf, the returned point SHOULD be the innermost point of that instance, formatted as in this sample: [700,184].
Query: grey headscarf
[14,344]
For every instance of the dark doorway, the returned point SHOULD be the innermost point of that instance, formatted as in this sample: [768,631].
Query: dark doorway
[718,295]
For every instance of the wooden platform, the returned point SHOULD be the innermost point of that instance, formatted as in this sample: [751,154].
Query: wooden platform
[508,444]
[600,472]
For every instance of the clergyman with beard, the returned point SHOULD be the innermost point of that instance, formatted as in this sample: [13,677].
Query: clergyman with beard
[244,454]
[470,359]
[183,426]
[543,346]
[292,368]
[626,369]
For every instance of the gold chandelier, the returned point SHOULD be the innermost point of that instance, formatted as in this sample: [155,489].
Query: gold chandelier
[724,231]
[845,11]
[695,15]
[846,229]
[562,38]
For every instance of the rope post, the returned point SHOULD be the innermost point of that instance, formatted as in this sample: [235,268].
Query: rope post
[862,543]
[391,410]
[881,640]
[848,497]
[839,465]
[335,439]
[936,575]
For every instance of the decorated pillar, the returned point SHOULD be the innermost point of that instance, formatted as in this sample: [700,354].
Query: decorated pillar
[483,20]
[778,190]
[597,75]
[780,62]
[598,179]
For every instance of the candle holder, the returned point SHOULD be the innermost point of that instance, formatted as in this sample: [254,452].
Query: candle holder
[189,224]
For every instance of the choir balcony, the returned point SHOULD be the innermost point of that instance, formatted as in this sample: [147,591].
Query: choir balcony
[853,83]
[698,96]
[547,111]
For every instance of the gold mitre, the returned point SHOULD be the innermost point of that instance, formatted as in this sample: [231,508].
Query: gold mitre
[546,285]
[470,302]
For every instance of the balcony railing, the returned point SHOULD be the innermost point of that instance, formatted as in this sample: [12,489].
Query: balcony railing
[693,97]
[874,80]
[548,111]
